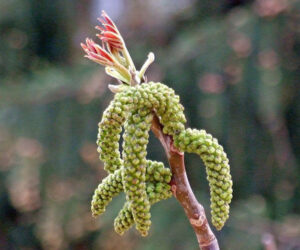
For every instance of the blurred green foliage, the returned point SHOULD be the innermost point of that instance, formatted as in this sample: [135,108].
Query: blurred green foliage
[235,65]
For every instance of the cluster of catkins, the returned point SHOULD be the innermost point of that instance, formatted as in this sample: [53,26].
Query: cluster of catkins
[146,182]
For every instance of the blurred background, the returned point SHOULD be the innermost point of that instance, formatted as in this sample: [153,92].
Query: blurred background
[235,64]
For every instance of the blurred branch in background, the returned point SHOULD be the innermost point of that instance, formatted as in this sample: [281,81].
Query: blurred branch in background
[234,63]
[269,242]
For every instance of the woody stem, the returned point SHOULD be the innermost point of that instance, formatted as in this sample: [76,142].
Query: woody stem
[182,190]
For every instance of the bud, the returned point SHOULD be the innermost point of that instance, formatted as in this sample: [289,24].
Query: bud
[110,34]
[96,53]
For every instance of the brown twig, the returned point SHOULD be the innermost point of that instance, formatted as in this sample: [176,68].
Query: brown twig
[182,190]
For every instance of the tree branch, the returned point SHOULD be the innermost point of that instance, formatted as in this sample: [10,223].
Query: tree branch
[182,190]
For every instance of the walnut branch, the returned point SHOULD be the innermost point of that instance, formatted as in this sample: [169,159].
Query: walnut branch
[182,190]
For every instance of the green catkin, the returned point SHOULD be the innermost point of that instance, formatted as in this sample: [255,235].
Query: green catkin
[217,169]
[109,131]
[112,185]
[156,172]
[134,172]
[107,189]
[156,192]
[162,99]
[133,108]
[157,188]
[167,105]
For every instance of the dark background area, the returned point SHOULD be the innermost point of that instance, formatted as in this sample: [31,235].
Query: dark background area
[234,63]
